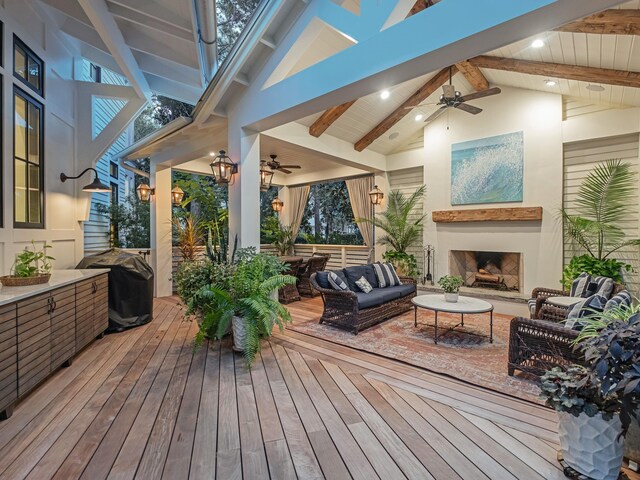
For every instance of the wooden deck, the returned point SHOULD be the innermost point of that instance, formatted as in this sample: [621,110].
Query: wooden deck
[143,404]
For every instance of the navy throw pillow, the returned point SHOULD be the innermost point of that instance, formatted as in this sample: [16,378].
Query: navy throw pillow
[354,274]
[580,286]
[323,279]
[588,306]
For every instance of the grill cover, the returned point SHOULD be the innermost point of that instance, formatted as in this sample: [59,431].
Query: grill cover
[130,287]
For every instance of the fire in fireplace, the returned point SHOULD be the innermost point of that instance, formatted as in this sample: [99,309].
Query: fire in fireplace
[493,270]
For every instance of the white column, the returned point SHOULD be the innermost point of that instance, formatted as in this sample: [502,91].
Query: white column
[382,181]
[161,248]
[244,193]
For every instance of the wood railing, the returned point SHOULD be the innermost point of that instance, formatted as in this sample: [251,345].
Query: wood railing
[341,255]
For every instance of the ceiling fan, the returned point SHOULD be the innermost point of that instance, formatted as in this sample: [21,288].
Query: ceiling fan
[451,98]
[275,165]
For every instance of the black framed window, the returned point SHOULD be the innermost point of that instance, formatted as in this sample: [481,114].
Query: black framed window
[114,193]
[113,170]
[27,66]
[95,72]
[28,183]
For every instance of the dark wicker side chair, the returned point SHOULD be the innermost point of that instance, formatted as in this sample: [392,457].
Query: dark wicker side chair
[316,263]
[289,293]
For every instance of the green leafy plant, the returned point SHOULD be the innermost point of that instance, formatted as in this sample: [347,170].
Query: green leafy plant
[609,267]
[188,236]
[403,262]
[283,239]
[605,199]
[30,263]
[191,277]
[572,390]
[249,295]
[450,283]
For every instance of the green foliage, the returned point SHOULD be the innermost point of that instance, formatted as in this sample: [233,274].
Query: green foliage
[191,277]
[573,391]
[268,218]
[405,263]
[614,357]
[158,112]
[608,267]
[188,236]
[283,239]
[232,16]
[247,293]
[605,199]
[401,232]
[130,221]
[451,283]
[30,263]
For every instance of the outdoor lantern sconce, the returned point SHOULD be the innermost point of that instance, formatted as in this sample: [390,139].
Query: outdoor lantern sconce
[277,205]
[95,186]
[266,177]
[144,192]
[223,168]
[376,195]
[177,195]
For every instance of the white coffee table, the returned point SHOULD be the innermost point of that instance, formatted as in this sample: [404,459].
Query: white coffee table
[464,305]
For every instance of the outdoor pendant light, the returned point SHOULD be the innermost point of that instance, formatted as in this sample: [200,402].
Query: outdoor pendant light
[177,194]
[223,168]
[144,192]
[376,195]
[277,205]
[266,177]
[95,186]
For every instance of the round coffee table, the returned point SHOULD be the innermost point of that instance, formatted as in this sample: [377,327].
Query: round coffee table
[468,305]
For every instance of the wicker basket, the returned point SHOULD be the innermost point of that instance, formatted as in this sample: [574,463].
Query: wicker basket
[13,281]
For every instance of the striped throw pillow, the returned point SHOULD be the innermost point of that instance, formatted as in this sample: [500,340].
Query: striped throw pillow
[622,299]
[580,285]
[604,286]
[386,274]
[593,304]
[336,282]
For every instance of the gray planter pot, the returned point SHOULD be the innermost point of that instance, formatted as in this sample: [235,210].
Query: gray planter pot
[632,443]
[239,333]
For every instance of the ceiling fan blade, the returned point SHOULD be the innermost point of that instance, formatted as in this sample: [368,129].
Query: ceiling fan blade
[284,170]
[482,93]
[465,107]
[435,114]
[290,166]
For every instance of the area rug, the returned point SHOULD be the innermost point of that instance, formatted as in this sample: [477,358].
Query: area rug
[459,353]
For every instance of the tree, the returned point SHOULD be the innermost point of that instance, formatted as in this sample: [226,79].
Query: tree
[232,16]
[130,221]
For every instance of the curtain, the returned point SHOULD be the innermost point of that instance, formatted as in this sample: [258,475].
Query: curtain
[298,197]
[359,189]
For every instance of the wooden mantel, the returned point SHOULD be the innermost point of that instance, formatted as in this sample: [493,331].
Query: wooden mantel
[513,214]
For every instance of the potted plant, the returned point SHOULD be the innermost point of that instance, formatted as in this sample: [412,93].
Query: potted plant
[31,267]
[403,229]
[589,423]
[283,239]
[451,285]
[246,303]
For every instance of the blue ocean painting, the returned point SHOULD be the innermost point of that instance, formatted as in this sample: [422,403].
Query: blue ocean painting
[488,170]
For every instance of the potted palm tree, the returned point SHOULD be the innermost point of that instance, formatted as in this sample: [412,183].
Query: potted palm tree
[403,229]
[604,201]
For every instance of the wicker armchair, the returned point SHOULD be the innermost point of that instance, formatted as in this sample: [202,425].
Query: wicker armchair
[341,307]
[316,263]
[546,311]
[289,293]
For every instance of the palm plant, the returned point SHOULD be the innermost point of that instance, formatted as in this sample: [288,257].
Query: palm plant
[283,239]
[189,236]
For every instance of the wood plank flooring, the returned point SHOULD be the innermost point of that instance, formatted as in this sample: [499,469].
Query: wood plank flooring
[144,404]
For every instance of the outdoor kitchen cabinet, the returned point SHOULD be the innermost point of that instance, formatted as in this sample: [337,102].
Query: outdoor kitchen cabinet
[43,326]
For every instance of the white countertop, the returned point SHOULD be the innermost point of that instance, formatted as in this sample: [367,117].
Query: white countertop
[59,278]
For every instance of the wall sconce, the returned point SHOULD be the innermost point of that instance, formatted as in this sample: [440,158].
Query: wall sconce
[177,195]
[223,168]
[95,186]
[376,195]
[277,205]
[266,177]
[144,192]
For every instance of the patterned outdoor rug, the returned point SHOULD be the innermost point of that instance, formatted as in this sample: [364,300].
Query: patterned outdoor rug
[459,353]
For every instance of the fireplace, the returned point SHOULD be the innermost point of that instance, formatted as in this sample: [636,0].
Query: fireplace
[491,270]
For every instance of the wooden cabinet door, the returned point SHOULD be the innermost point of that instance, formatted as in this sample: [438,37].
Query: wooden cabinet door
[85,292]
[63,325]
[34,341]
[8,360]
[101,305]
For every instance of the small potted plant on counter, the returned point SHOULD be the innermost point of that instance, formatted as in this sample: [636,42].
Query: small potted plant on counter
[451,285]
[32,267]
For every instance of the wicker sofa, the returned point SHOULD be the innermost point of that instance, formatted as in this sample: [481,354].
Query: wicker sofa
[354,310]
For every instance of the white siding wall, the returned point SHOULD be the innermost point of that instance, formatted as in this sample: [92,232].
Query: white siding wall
[579,159]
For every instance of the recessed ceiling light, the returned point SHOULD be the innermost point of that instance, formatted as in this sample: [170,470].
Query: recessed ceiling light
[550,83]
[394,135]
[212,154]
[537,43]
[595,88]
[384,94]
[419,117]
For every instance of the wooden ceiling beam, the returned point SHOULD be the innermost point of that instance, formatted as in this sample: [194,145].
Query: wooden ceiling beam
[473,75]
[399,113]
[606,76]
[607,22]
[334,113]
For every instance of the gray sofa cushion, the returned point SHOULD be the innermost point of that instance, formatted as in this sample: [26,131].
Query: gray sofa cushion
[354,273]
[378,296]
[392,293]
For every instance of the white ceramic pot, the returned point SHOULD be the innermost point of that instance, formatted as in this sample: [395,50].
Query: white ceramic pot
[590,445]
[451,297]
[239,333]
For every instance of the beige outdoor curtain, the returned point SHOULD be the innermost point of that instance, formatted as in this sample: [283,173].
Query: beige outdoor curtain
[359,189]
[298,197]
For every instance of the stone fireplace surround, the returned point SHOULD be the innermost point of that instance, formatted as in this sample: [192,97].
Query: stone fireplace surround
[506,265]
